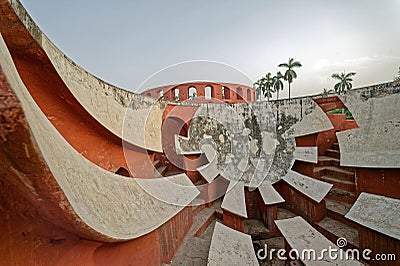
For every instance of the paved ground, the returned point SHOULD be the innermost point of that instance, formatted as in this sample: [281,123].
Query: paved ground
[194,250]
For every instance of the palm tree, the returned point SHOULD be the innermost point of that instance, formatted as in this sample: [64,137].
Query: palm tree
[290,74]
[398,76]
[326,92]
[268,88]
[344,81]
[277,83]
[258,86]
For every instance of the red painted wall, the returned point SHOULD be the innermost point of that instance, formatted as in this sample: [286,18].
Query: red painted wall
[233,221]
[300,204]
[384,182]
[379,244]
[231,91]
[55,100]
[172,233]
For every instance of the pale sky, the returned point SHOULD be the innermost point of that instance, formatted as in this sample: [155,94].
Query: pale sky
[125,42]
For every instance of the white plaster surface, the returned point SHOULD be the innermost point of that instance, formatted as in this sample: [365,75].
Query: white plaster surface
[314,189]
[306,154]
[379,213]
[269,194]
[234,200]
[302,236]
[114,206]
[209,171]
[177,190]
[315,122]
[230,247]
[376,143]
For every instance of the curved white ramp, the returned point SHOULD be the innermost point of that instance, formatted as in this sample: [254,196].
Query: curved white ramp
[115,207]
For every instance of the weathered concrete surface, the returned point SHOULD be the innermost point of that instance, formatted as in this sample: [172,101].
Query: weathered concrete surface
[302,236]
[234,200]
[312,188]
[109,105]
[209,171]
[230,247]
[376,143]
[378,213]
[116,208]
[306,154]
[269,194]
[196,244]
[254,141]
[176,190]
[315,122]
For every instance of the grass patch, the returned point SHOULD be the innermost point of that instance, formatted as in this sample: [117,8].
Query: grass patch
[339,111]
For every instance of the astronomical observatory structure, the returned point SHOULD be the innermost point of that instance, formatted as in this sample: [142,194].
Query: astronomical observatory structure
[196,173]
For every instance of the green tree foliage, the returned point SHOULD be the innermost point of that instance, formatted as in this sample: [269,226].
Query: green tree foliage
[264,86]
[398,76]
[268,88]
[290,74]
[277,83]
[344,83]
[258,86]
[326,92]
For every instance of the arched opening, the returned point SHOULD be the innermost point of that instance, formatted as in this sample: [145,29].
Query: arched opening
[192,93]
[123,171]
[207,93]
[223,92]
[248,95]
[173,126]
[227,93]
[161,94]
[148,94]
[239,92]
[176,93]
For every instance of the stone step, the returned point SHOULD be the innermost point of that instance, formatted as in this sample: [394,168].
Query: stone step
[202,220]
[333,153]
[197,208]
[337,210]
[340,184]
[335,146]
[203,216]
[160,171]
[196,244]
[341,195]
[330,161]
[173,172]
[284,213]
[335,172]
[156,163]
[257,229]
[340,173]
[219,214]
[333,230]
